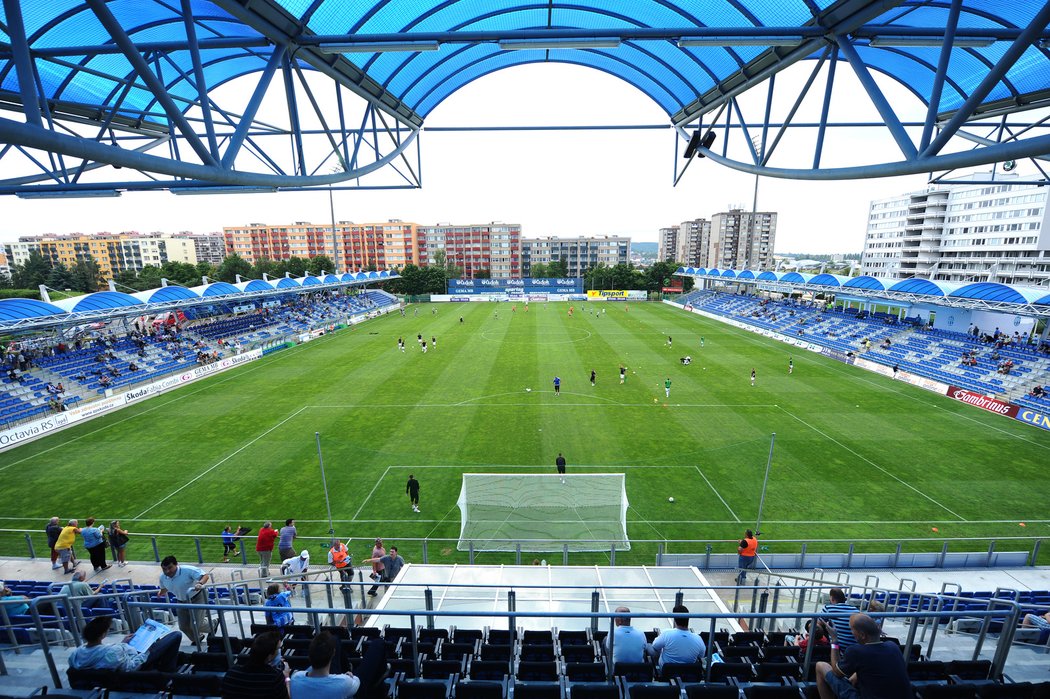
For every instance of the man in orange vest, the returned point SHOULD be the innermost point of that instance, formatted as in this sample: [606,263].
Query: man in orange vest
[747,553]
[339,557]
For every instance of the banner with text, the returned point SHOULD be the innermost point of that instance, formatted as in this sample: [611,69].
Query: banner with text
[988,403]
[458,287]
[616,295]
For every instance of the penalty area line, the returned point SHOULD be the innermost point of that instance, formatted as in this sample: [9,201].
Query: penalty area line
[717,494]
[371,492]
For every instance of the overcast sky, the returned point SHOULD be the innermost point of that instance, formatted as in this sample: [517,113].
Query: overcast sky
[552,183]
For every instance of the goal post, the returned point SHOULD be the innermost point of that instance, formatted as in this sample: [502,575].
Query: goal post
[543,512]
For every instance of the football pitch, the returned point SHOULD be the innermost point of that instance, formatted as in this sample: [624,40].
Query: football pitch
[857,457]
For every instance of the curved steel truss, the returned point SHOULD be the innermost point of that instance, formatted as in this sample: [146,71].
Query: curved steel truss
[201,96]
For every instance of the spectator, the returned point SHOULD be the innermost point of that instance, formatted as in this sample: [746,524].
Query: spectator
[747,553]
[869,668]
[377,553]
[263,676]
[841,623]
[817,637]
[317,680]
[95,544]
[64,546]
[52,530]
[679,645]
[264,547]
[628,643]
[392,564]
[228,546]
[186,584]
[339,557]
[1039,621]
[297,565]
[78,588]
[95,655]
[6,595]
[276,598]
[286,544]
[118,541]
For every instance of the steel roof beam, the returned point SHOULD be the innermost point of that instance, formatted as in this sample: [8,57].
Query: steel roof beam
[198,77]
[111,25]
[42,139]
[24,69]
[1008,59]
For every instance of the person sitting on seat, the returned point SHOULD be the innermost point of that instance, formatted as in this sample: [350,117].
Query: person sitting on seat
[96,655]
[104,381]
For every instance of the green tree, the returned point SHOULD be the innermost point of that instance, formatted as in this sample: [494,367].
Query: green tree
[86,276]
[128,279]
[320,263]
[558,269]
[452,270]
[264,265]
[59,278]
[625,276]
[296,266]
[435,280]
[149,278]
[658,275]
[182,273]
[482,274]
[204,269]
[538,271]
[32,273]
[231,267]
[413,281]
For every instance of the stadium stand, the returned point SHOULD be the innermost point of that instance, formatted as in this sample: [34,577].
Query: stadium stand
[87,362]
[495,662]
[883,338]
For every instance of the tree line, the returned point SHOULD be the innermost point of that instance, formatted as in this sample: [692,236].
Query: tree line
[85,275]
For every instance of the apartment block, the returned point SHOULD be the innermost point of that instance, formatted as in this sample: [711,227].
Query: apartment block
[494,248]
[963,231]
[580,254]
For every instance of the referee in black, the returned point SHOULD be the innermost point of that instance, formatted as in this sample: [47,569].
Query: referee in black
[412,490]
[560,463]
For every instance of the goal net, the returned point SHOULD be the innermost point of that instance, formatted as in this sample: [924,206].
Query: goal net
[543,512]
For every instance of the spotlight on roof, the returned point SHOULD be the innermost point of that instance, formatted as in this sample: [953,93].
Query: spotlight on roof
[699,139]
[67,194]
[699,41]
[962,42]
[543,44]
[378,46]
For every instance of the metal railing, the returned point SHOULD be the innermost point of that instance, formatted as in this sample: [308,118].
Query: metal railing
[706,554]
[784,602]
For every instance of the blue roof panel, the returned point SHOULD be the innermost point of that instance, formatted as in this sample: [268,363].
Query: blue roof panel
[989,291]
[22,309]
[865,281]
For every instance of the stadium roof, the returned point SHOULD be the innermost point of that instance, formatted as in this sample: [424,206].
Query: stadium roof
[989,295]
[30,314]
[152,68]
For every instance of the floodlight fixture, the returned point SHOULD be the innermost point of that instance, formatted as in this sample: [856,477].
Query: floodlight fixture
[221,189]
[700,41]
[962,42]
[67,194]
[543,44]
[378,46]
[699,139]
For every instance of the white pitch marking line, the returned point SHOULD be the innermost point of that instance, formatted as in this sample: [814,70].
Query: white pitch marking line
[716,493]
[217,464]
[365,501]
[864,458]
[568,404]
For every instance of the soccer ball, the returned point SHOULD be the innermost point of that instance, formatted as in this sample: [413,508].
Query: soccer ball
[670,499]
[528,390]
[656,400]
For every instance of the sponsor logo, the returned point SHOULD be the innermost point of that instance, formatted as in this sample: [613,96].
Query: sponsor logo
[835,354]
[460,299]
[981,401]
[1034,417]
[24,432]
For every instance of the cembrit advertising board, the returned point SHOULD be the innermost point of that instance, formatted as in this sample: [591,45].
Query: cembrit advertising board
[988,403]
[1034,417]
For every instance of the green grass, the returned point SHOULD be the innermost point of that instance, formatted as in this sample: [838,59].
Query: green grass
[857,456]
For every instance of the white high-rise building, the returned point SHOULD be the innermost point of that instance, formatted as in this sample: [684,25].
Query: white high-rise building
[961,233]
[734,239]
[580,254]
